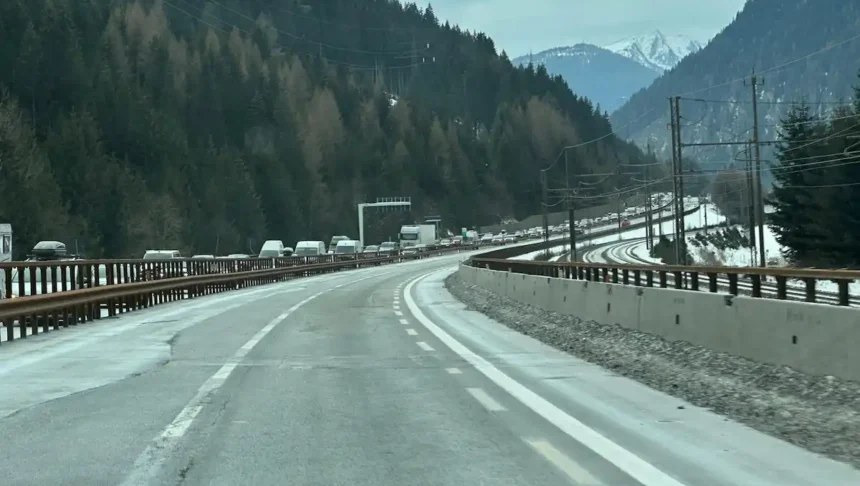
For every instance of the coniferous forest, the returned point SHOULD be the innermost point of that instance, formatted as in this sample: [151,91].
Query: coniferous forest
[816,191]
[210,126]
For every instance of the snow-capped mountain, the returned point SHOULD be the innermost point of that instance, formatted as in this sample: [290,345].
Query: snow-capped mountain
[656,51]
[604,77]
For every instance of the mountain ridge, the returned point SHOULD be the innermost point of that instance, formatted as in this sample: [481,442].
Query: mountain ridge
[656,50]
[820,70]
[606,78]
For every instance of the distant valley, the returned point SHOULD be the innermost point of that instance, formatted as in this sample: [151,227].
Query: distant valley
[802,51]
[610,75]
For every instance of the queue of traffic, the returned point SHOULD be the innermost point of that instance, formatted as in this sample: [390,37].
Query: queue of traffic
[505,238]
[340,247]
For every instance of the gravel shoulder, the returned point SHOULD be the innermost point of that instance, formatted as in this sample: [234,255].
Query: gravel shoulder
[819,413]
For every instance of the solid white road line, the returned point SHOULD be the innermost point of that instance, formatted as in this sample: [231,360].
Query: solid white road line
[486,400]
[574,471]
[411,332]
[630,463]
[425,346]
[453,371]
[153,457]
[404,322]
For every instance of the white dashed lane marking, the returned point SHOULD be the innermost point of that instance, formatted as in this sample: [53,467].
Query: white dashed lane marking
[486,400]
[411,332]
[425,346]
[567,465]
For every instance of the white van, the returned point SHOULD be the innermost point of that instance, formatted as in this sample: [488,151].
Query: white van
[161,254]
[334,241]
[309,248]
[348,247]
[5,254]
[272,249]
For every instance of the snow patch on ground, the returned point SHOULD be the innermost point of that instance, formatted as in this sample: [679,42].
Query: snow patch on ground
[740,257]
[706,215]
[641,251]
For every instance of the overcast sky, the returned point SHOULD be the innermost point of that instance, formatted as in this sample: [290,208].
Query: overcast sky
[518,26]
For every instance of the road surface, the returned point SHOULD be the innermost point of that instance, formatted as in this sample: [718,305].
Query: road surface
[368,377]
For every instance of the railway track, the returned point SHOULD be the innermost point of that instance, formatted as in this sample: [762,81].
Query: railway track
[621,252]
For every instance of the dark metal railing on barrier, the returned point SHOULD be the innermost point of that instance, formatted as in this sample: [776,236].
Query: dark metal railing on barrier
[77,296]
[753,280]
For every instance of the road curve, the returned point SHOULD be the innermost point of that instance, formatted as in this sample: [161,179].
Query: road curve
[367,377]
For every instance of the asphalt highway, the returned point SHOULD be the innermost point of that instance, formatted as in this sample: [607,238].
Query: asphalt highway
[366,377]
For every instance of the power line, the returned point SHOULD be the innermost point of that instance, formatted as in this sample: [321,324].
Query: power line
[843,161]
[824,186]
[330,61]
[298,37]
[625,191]
[823,119]
[744,102]
[603,137]
[198,18]
[840,132]
[778,67]
[348,26]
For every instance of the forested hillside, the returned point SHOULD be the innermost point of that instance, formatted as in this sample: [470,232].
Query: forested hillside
[211,126]
[805,50]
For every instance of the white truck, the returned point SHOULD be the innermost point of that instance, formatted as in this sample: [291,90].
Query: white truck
[5,254]
[417,234]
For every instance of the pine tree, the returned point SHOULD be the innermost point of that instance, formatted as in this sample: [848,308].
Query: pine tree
[795,206]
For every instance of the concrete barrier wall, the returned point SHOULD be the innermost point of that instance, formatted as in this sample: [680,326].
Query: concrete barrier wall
[818,339]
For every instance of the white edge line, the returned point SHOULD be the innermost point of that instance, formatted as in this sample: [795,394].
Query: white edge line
[630,463]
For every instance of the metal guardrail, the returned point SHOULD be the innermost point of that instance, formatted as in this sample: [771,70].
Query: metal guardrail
[177,280]
[30,278]
[683,277]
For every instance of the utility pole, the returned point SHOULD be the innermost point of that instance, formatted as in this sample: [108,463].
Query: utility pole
[758,186]
[545,207]
[750,202]
[682,233]
[674,177]
[414,55]
[570,209]
[649,229]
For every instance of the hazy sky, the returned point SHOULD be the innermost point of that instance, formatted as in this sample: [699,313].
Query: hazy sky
[518,26]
